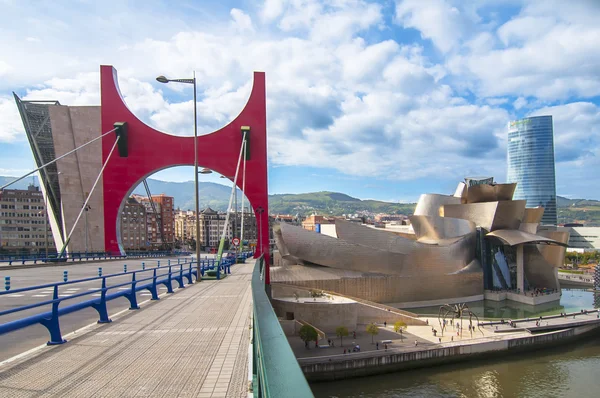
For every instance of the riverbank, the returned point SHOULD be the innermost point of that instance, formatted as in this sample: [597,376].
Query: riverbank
[486,341]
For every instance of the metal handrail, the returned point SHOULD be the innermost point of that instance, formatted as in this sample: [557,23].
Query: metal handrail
[78,256]
[275,370]
[50,319]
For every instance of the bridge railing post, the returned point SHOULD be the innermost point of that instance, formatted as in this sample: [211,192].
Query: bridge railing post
[52,323]
[101,305]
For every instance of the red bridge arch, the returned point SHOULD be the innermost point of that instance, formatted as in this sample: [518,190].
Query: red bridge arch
[151,151]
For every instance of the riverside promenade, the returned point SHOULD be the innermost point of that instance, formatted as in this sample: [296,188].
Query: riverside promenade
[193,343]
[402,353]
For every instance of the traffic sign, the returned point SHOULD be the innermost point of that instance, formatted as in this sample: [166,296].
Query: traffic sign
[235,241]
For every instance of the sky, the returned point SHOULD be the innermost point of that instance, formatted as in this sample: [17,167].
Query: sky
[376,99]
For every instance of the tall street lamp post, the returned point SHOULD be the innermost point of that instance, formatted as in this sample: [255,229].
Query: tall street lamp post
[163,79]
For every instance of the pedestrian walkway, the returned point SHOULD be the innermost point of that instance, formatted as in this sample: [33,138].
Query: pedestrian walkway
[193,343]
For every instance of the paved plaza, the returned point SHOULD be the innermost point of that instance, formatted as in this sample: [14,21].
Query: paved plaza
[193,343]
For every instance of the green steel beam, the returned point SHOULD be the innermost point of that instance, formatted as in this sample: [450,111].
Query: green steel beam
[275,366]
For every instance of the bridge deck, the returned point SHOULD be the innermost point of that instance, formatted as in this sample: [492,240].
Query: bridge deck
[191,344]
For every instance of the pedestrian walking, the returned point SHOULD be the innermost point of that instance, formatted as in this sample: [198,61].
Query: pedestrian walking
[384,324]
[416,343]
[377,345]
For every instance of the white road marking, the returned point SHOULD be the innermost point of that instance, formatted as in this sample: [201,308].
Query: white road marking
[148,294]
[40,295]
[64,295]
[14,295]
[97,294]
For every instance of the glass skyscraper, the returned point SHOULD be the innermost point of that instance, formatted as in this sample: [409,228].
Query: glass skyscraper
[531,163]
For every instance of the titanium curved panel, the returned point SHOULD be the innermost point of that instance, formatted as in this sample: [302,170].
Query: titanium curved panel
[443,257]
[429,204]
[461,192]
[514,237]
[554,255]
[542,261]
[533,215]
[440,227]
[539,273]
[489,215]
[337,253]
[490,193]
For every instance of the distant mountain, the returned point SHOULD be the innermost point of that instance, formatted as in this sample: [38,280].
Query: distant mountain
[328,203]
[566,202]
[332,203]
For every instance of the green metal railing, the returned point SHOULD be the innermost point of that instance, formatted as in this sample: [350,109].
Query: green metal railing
[275,370]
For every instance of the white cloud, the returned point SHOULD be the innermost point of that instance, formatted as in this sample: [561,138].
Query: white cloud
[271,9]
[576,130]
[338,95]
[241,21]
[520,103]
[11,128]
[437,20]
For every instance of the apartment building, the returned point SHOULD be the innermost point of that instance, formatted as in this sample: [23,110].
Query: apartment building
[24,227]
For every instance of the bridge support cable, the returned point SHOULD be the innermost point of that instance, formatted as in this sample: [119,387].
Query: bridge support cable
[158,217]
[62,251]
[55,160]
[233,192]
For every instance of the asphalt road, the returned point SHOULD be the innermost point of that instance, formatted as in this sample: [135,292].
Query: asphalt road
[22,340]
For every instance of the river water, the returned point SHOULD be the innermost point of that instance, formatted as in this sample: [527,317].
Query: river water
[566,371]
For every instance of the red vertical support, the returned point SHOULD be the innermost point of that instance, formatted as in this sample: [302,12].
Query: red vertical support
[150,151]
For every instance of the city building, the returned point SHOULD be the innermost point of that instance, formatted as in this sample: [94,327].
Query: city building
[24,227]
[160,220]
[530,160]
[584,239]
[478,243]
[134,232]
[388,218]
[314,222]
[211,227]
[185,227]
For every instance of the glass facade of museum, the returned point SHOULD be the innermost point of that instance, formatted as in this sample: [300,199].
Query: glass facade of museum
[531,163]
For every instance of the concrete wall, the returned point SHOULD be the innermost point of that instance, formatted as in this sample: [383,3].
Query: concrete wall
[366,312]
[329,368]
[396,289]
[72,127]
[325,316]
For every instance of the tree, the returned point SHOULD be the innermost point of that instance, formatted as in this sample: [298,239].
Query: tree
[372,329]
[308,333]
[341,332]
[400,327]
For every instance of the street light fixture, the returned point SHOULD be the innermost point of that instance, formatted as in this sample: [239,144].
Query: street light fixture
[163,79]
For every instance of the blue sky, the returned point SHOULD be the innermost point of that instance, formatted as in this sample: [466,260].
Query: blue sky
[376,99]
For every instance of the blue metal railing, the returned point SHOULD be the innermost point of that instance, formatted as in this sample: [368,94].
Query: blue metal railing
[275,370]
[81,256]
[50,319]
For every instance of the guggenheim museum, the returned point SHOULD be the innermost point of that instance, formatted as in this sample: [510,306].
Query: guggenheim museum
[477,243]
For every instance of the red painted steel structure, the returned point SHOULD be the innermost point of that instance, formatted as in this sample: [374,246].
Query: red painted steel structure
[151,151]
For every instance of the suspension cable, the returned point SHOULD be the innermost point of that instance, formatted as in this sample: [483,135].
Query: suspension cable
[55,160]
[62,251]
[233,189]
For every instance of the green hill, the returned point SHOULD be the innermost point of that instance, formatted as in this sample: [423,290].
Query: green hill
[584,211]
